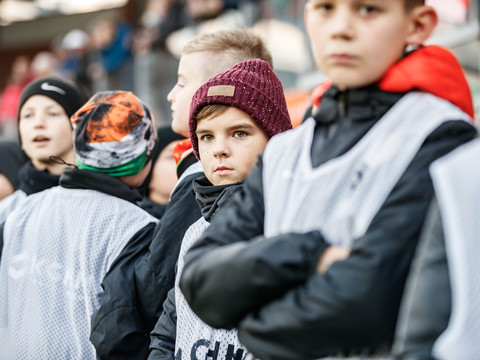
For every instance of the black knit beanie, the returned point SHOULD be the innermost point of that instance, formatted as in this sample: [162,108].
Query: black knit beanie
[69,95]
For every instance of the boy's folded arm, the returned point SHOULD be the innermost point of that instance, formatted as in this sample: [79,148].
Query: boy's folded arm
[230,281]
[208,263]
[331,312]
[162,338]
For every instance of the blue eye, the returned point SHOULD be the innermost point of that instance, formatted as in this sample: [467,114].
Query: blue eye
[240,134]
[367,10]
[206,137]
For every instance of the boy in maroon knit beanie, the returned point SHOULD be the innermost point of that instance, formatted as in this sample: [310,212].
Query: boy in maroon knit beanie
[232,117]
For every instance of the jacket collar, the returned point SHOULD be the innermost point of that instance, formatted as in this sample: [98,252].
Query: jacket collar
[432,69]
[74,178]
[210,197]
[33,180]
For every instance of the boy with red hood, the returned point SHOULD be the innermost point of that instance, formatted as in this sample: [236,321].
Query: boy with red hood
[310,258]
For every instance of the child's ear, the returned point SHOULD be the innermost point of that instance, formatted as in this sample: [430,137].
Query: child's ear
[423,19]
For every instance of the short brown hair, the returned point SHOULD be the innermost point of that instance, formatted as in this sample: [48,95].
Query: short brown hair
[410,4]
[210,111]
[232,46]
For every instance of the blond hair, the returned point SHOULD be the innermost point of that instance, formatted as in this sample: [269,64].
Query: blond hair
[232,46]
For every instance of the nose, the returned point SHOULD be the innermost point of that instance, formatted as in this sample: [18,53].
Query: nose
[221,147]
[170,95]
[39,120]
[342,23]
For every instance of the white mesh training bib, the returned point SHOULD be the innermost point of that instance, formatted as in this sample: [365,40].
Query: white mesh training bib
[8,204]
[59,244]
[341,197]
[195,339]
[456,178]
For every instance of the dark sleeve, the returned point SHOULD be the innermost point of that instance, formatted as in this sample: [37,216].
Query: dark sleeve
[118,330]
[155,272]
[354,305]
[277,262]
[230,249]
[162,338]
[426,304]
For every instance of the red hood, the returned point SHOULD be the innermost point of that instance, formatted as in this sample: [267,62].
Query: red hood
[181,150]
[432,69]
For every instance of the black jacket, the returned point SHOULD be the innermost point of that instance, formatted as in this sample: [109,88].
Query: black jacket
[142,285]
[427,302]
[210,198]
[283,310]
[33,180]
[111,315]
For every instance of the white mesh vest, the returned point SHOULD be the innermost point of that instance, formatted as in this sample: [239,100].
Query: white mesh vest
[195,339]
[8,204]
[59,244]
[456,178]
[341,197]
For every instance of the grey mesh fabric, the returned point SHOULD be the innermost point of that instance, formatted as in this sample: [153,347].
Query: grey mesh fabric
[59,244]
[456,179]
[341,197]
[9,203]
[195,339]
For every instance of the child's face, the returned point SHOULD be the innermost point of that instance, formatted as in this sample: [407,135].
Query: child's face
[45,130]
[354,42]
[229,145]
[191,75]
[164,175]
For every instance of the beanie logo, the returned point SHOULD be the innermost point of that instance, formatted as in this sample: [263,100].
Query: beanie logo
[221,90]
[47,87]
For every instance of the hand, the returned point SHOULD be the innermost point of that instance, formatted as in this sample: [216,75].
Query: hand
[329,256]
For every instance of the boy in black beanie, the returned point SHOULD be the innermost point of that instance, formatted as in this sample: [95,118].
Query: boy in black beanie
[44,111]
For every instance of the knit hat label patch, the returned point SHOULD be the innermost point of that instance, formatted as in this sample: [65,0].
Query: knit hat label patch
[221,90]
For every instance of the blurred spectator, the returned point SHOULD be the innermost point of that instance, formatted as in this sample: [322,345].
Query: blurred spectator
[160,19]
[18,78]
[71,51]
[167,25]
[44,63]
[212,15]
[111,62]
[12,159]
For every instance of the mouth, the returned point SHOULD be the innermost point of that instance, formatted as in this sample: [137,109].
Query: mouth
[341,59]
[41,140]
[223,170]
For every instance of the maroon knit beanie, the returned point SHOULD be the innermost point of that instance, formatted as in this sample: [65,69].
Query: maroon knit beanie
[250,86]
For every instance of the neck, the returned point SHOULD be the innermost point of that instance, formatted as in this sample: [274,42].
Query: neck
[52,168]
[159,198]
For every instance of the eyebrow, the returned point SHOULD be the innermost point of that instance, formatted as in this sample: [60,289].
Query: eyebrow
[241,126]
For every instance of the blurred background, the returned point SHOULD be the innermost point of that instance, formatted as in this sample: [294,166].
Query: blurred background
[135,45]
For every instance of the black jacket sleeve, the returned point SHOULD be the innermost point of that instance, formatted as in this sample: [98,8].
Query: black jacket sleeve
[426,304]
[162,338]
[155,272]
[354,305]
[118,330]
